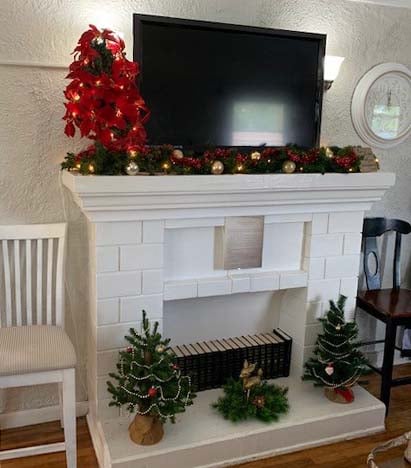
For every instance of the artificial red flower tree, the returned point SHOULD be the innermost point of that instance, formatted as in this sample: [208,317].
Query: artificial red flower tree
[104,102]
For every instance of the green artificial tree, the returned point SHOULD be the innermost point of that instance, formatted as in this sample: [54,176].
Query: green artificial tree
[149,383]
[338,363]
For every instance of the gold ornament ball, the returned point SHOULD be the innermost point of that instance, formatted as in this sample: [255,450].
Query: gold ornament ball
[217,168]
[177,154]
[288,167]
[132,168]
[329,152]
[255,155]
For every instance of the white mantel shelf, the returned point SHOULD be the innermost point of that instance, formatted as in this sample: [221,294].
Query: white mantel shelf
[152,247]
[109,198]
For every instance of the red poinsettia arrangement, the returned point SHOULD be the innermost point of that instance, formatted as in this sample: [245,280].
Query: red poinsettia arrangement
[103,100]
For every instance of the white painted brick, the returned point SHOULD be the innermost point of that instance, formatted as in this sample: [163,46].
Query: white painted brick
[292,326]
[308,352]
[117,233]
[214,287]
[346,221]
[265,282]
[106,361]
[349,310]
[112,336]
[352,244]
[107,311]
[324,245]
[102,392]
[174,290]
[311,333]
[106,412]
[288,218]
[194,222]
[107,259]
[319,223]
[293,279]
[240,283]
[152,281]
[342,267]
[323,290]
[314,311]
[153,232]
[141,257]
[132,307]
[118,284]
[349,287]
[315,267]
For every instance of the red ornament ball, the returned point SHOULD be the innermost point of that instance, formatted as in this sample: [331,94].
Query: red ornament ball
[129,349]
[152,392]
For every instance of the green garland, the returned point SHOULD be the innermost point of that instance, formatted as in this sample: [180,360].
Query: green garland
[266,402]
[166,159]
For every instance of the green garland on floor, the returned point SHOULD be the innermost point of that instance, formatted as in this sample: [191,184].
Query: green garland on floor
[166,159]
[266,402]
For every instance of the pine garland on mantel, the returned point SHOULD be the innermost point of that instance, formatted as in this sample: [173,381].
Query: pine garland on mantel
[166,159]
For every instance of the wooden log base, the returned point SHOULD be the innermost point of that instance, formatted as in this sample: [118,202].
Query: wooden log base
[146,430]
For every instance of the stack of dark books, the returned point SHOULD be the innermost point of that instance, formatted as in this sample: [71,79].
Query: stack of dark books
[211,363]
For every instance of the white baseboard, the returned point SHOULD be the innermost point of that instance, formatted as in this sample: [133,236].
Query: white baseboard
[37,416]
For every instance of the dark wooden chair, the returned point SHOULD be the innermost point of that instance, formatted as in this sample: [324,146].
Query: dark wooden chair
[391,306]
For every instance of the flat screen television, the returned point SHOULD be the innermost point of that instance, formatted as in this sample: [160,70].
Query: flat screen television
[222,85]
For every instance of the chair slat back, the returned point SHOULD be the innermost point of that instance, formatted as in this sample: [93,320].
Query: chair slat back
[31,274]
[372,229]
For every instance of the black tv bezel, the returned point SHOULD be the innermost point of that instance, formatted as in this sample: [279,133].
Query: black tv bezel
[140,19]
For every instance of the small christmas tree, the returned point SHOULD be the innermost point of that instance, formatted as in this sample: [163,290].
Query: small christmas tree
[149,383]
[338,364]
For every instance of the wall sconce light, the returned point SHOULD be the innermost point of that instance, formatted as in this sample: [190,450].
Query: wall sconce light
[332,65]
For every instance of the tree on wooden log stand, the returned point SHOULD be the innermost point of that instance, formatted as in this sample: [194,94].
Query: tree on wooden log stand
[149,383]
[338,363]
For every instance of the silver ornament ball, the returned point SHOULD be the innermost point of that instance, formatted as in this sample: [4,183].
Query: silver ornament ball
[217,168]
[132,168]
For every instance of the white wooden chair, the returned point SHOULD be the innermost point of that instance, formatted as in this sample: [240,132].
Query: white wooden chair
[34,349]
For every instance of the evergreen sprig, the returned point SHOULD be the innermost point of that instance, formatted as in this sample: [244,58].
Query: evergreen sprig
[235,406]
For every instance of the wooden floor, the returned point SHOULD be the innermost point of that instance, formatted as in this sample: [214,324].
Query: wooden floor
[350,454]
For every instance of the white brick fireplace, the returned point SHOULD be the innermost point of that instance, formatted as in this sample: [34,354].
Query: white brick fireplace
[152,239]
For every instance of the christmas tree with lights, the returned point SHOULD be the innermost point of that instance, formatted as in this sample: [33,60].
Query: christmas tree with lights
[149,383]
[338,363]
[104,104]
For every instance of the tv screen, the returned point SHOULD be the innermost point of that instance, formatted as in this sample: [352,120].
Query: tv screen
[212,84]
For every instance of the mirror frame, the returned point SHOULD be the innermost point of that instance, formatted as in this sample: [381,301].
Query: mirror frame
[359,97]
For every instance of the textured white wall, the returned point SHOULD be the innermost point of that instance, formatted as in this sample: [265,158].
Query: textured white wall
[32,142]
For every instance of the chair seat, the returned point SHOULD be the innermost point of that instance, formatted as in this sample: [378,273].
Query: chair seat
[394,303]
[35,348]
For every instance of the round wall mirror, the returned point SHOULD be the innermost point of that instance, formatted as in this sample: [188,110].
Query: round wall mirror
[381,105]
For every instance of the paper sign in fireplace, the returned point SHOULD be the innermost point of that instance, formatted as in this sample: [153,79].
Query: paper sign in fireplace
[169,245]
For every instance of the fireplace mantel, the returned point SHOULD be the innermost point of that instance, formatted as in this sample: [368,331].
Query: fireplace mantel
[152,247]
[109,198]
